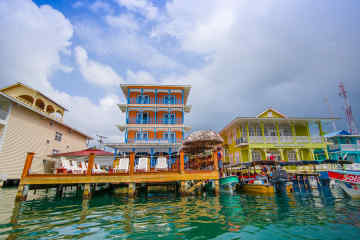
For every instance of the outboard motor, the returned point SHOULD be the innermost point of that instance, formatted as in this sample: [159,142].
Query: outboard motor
[279,180]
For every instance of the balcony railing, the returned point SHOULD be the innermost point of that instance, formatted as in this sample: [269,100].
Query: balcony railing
[152,101]
[350,147]
[152,141]
[152,121]
[241,140]
[256,139]
[286,139]
[334,147]
[302,139]
[271,139]
[316,139]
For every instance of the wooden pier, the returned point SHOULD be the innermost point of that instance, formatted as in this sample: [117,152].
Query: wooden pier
[85,180]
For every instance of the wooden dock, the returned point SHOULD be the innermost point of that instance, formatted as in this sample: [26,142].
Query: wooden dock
[131,178]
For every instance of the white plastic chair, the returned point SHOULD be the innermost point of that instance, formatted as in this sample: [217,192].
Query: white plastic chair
[123,165]
[142,165]
[161,163]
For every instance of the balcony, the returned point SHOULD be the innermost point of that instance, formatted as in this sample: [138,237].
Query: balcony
[242,140]
[271,139]
[256,139]
[158,101]
[350,147]
[286,139]
[316,139]
[302,139]
[155,141]
[177,121]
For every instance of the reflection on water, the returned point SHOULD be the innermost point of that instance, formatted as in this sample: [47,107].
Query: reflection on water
[316,215]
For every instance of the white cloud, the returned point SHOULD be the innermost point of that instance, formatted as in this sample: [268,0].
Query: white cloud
[139,77]
[95,72]
[100,5]
[146,8]
[124,21]
[32,42]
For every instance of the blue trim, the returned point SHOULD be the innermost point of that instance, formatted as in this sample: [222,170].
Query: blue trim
[128,96]
[115,153]
[127,115]
[156,96]
[126,135]
[182,98]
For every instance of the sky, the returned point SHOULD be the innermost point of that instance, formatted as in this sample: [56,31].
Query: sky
[240,56]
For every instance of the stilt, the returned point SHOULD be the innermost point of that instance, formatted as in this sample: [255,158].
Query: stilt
[59,191]
[131,189]
[87,191]
[183,188]
[216,187]
[22,192]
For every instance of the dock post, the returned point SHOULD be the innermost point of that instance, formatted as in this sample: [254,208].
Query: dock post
[87,191]
[90,164]
[183,188]
[131,189]
[131,163]
[216,187]
[182,163]
[23,189]
[22,192]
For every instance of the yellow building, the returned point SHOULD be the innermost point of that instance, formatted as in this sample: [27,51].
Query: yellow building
[32,122]
[271,133]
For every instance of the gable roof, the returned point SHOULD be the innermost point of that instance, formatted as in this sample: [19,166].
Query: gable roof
[42,114]
[19,84]
[260,115]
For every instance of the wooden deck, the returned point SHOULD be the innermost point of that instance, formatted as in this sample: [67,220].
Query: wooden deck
[143,177]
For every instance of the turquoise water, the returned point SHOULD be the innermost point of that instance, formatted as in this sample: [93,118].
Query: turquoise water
[316,215]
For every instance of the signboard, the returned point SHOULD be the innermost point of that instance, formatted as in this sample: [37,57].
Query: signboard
[350,178]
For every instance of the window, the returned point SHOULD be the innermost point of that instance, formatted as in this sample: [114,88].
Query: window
[58,136]
[256,156]
[291,156]
[270,131]
[146,99]
[169,99]
[55,151]
[251,131]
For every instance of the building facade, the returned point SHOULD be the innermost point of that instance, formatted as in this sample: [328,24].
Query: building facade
[344,146]
[273,135]
[154,119]
[32,122]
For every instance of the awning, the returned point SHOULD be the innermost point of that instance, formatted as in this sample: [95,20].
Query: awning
[82,153]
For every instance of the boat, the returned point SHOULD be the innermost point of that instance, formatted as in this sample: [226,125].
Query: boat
[349,181]
[228,184]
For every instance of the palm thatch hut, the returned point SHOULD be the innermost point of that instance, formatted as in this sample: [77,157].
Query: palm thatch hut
[200,145]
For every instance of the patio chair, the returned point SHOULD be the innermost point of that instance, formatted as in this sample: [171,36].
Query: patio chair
[161,163]
[123,165]
[142,165]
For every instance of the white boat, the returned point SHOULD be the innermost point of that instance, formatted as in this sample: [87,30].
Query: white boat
[349,181]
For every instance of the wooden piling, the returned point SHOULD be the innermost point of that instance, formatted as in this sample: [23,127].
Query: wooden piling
[87,191]
[216,187]
[131,189]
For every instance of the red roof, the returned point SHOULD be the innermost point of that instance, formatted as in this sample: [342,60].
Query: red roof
[82,153]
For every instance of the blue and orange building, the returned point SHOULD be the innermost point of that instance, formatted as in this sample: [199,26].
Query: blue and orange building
[154,122]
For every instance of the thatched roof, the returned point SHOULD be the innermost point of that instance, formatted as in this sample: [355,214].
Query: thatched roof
[208,137]
[201,141]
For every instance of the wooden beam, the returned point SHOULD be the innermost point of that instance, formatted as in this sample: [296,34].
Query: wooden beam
[215,159]
[90,164]
[27,164]
[132,163]
[160,177]
[182,162]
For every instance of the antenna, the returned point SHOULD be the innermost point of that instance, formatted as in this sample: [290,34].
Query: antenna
[100,140]
[348,112]
[331,113]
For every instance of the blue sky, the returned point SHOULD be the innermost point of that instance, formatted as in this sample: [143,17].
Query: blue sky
[240,56]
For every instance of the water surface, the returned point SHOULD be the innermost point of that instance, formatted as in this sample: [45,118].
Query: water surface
[316,215]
